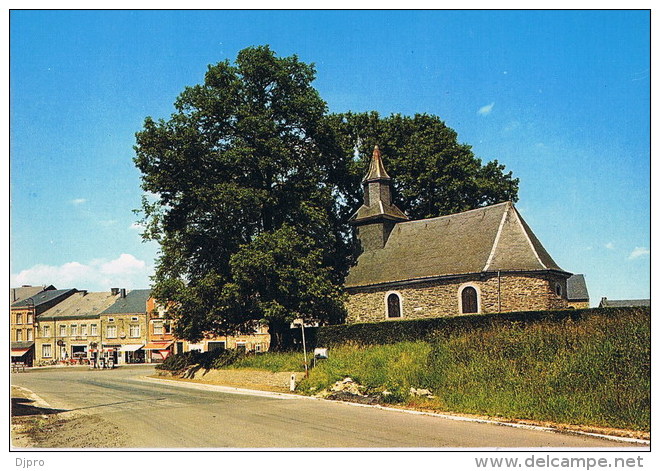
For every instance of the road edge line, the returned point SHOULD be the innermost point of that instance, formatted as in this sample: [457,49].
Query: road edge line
[256,392]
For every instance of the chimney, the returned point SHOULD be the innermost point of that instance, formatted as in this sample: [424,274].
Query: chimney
[123,292]
[114,291]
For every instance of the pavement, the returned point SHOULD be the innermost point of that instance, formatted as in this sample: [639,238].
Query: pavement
[461,418]
[147,412]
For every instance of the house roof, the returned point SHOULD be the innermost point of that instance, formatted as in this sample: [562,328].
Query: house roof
[135,302]
[43,297]
[489,239]
[81,305]
[604,302]
[576,288]
[19,294]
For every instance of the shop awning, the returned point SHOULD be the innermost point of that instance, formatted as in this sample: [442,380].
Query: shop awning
[158,345]
[130,347]
[19,352]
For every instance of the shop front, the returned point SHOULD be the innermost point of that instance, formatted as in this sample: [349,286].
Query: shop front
[131,353]
[79,354]
[158,351]
[22,353]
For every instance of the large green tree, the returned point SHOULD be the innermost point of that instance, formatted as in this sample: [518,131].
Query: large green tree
[239,168]
[250,184]
[433,173]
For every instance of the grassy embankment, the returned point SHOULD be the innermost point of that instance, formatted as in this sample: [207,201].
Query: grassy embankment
[592,372]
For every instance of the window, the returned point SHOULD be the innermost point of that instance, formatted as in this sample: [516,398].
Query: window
[134,319]
[212,346]
[93,329]
[46,350]
[469,301]
[29,335]
[167,328]
[111,332]
[558,289]
[158,328]
[29,318]
[393,306]
[111,319]
[74,330]
[46,331]
[19,335]
[19,318]
[62,331]
[134,331]
[83,330]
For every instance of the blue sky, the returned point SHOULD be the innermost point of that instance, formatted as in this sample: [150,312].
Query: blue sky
[562,98]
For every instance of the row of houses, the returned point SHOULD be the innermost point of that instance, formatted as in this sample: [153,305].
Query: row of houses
[70,326]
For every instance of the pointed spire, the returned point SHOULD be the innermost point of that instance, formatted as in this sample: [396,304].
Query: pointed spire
[376,168]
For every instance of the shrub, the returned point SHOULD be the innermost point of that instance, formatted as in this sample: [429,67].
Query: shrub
[207,360]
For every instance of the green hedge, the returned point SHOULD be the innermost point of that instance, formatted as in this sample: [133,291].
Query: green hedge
[386,332]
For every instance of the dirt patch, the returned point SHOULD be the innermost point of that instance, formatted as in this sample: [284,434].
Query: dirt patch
[239,378]
[34,424]
[65,430]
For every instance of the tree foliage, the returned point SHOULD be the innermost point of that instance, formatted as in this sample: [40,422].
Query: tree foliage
[433,173]
[250,182]
[243,156]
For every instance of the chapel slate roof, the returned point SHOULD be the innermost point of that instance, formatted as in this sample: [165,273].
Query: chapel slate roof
[576,288]
[487,239]
[135,302]
[81,305]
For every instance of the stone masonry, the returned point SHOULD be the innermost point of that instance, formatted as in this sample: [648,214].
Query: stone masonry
[442,298]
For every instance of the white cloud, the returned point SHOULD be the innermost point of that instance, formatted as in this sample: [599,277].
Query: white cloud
[125,264]
[78,201]
[486,110]
[126,271]
[136,226]
[609,246]
[638,252]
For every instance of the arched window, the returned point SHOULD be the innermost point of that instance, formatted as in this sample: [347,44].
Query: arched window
[558,289]
[469,304]
[393,305]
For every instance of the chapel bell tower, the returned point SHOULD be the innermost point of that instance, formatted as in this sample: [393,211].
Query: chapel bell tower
[377,216]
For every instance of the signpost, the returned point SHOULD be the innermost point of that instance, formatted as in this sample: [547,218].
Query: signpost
[302,327]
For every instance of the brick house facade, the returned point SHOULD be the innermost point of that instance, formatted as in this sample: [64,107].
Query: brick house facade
[485,260]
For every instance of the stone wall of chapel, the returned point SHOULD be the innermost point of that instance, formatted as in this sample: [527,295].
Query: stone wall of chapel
[442,298]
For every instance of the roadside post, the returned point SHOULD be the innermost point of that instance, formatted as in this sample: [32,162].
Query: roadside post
[302,328]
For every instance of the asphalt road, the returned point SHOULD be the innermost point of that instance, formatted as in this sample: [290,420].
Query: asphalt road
[150,414]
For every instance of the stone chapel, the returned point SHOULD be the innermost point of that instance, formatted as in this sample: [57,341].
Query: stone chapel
[486,260]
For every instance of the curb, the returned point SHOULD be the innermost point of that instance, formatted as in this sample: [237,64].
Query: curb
[254,392]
